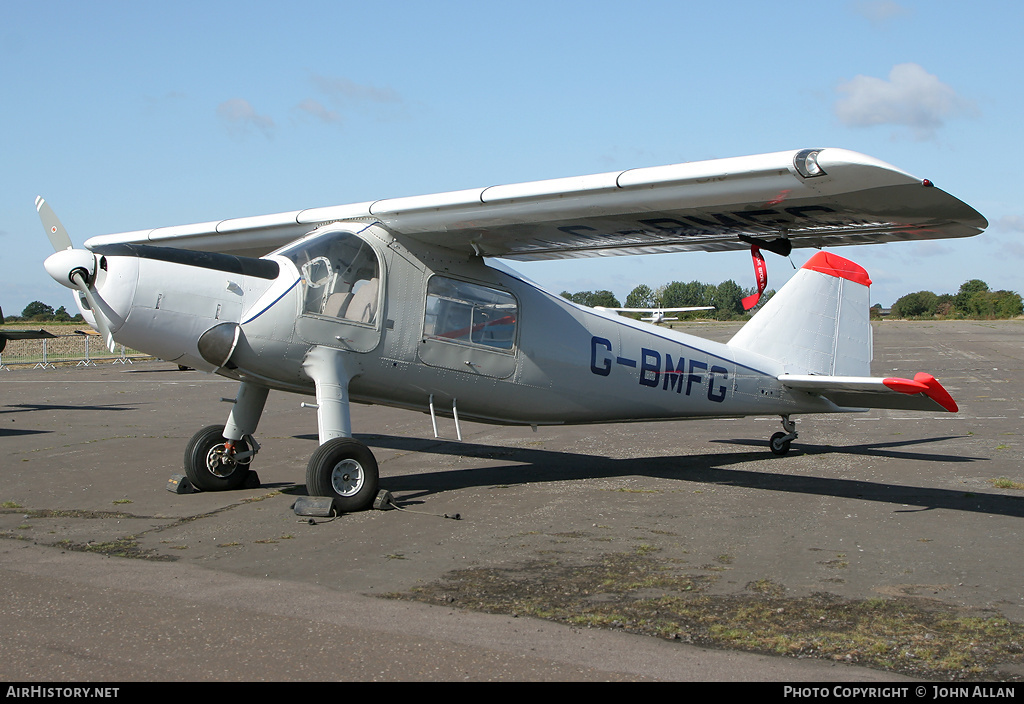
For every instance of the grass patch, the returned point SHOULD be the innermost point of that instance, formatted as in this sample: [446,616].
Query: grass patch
[1005,483]
[120,547]
[638,593]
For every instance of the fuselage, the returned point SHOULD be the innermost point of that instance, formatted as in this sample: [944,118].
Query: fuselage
[432,328]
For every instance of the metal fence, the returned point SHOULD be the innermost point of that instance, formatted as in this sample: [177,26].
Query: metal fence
[77,349]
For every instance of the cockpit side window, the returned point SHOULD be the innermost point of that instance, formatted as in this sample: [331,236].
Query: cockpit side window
[340,276]
[470,314]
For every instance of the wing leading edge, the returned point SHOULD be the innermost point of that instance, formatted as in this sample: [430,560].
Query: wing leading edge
[812,198]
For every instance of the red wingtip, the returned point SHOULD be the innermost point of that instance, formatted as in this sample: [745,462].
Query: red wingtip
[924,384]
[936,392]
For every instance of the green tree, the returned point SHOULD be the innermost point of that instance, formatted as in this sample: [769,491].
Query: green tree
[642,297]
[728,300]
[915,305]
[677,294]
[36,310]
[61,315]
[606,299]
[1008,304]
[962,300]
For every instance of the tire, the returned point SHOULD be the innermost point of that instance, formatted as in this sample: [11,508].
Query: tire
[345,470]
[778,446]
[205,469]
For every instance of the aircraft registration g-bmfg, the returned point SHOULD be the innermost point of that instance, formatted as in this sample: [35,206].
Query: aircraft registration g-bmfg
[396,302]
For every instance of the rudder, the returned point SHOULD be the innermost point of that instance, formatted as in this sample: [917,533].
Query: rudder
[818,323]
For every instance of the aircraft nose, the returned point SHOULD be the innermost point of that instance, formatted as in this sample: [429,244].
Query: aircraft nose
[68,264]
[106,285]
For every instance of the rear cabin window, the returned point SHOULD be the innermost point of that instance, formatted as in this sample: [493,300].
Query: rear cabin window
[470,314]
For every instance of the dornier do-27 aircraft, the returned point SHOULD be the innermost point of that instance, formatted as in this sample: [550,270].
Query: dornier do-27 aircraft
[398,302]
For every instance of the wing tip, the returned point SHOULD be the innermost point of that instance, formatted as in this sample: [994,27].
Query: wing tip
[926,384]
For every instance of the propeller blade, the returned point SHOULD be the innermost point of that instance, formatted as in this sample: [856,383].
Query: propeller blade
[78,278]
[59,237]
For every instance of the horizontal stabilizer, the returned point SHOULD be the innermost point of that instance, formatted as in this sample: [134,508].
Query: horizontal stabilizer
[922,393]
[25,335]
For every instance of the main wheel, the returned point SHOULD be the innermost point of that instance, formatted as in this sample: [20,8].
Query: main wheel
[778,445]
[207,464]
[345,470]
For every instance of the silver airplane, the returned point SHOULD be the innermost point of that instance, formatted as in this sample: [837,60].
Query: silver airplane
[402,302]
[657,315]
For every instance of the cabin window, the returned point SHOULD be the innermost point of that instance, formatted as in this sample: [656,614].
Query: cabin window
[470,314]
[340,277]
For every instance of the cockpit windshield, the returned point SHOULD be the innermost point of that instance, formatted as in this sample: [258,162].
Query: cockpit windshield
[340,276]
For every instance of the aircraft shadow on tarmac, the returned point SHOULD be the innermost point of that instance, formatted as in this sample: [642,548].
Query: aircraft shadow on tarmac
[531,465]
[31,407]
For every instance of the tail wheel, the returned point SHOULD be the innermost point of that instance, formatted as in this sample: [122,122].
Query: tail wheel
[208,464]
[779,444]
[345,470]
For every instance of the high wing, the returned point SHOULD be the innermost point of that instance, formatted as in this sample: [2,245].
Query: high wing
[806,198]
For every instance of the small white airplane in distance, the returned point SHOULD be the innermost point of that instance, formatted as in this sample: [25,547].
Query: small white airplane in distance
[657,314]
[398,302]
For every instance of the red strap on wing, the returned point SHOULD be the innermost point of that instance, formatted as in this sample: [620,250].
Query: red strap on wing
[761,274]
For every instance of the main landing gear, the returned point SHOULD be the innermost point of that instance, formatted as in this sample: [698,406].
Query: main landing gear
[345,470]
[779,443]
[217,458]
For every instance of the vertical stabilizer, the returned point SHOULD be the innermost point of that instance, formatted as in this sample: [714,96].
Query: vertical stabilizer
[818,323]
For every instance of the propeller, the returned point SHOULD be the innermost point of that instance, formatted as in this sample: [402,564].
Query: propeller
[74,268]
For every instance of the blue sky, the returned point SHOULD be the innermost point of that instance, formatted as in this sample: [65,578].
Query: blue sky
[129,115]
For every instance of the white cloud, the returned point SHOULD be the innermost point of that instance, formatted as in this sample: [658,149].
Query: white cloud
[911,98]
[1011,222]
[317,110]
[1004,237]
[880,12]
[345,91]
[240,115]
[346,95]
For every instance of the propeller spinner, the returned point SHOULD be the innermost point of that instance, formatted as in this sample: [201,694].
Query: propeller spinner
[74,268]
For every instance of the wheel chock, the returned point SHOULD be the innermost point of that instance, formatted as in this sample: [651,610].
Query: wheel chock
[384,501]
[322,506]
[252,481]
[179,484]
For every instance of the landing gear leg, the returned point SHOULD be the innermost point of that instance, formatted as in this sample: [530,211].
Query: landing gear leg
[780,442]
[342,467]
[217,458]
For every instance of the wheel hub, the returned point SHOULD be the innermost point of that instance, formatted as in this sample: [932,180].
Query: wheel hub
[220,462]
[347,477]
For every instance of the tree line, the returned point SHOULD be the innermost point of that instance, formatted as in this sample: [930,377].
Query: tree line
[974,300]
[38,312]
[726,297]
